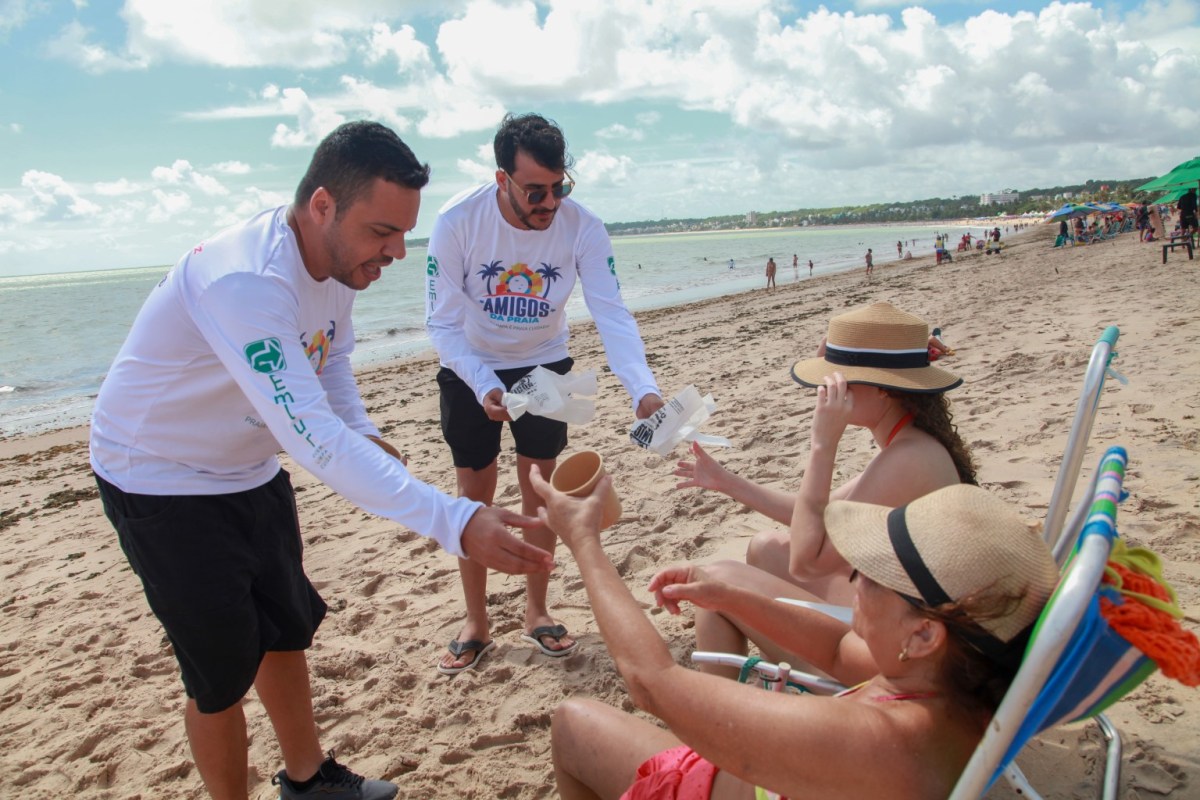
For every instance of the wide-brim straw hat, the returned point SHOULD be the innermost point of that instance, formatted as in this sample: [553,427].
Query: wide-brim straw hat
[879,345]
[951,544]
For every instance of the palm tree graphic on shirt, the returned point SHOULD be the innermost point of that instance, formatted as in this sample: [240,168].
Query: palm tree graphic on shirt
[489,272]
[549,274]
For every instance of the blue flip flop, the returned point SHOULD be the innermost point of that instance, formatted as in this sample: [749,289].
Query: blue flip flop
[457,648]
[556,632]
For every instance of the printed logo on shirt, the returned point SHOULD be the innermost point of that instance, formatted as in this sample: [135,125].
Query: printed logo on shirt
[517,294]
[265,356]
[318,347]
[612,268]
[431,269]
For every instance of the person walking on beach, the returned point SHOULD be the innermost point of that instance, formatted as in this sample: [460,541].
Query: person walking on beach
[491,326]
[796,266]
[899,250]
[870,262]
[770,274]
[240,351]
[731,263]
[810,268]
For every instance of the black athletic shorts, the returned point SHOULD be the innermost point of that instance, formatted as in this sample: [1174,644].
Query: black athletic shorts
[475,440]
[223,574]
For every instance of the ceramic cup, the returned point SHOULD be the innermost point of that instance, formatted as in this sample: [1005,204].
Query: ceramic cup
[577,476]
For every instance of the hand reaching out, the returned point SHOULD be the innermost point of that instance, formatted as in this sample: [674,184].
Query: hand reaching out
[703,473]
[686,582]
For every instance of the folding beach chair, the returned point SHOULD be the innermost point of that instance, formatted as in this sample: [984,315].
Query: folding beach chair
[1076,665]
[1062,538]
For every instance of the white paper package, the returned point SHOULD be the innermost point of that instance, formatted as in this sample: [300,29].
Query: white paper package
[548,394]
[677,421]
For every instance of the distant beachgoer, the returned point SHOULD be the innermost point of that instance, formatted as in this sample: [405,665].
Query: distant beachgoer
[731,263]
[810,267]
[796,265]
[870,262]
[899,249]
[770,274]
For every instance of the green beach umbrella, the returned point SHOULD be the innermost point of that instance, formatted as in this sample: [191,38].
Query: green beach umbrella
[1182,174]
[1171,196]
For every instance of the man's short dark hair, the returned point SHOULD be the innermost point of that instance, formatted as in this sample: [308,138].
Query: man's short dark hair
[352,156]
[539,137]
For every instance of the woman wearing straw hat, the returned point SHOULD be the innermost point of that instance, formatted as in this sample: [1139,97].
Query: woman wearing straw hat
[872,371]
[946,591]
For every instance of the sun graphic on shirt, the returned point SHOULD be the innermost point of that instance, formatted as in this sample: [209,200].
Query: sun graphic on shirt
[520,279]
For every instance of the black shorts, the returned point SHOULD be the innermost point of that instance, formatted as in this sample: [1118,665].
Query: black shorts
[1187,221]
[475,440]
[223,574]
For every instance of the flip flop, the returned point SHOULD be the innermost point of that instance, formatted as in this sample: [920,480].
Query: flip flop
[555,632]
[457,648]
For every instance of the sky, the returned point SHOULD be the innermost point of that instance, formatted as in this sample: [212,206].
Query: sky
[131,130]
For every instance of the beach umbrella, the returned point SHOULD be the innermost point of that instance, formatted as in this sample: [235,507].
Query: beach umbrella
[1182,174]
[1070,211]
[1171,196]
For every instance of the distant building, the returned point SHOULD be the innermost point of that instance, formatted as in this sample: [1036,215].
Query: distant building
[752,218]
[998,198]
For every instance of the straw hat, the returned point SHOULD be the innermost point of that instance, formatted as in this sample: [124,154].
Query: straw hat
[879,345]
[946,546]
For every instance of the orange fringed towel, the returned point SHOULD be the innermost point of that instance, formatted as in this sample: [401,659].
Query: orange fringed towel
[1151,626]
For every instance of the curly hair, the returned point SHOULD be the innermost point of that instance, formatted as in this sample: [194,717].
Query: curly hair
[931,413]
[541,138]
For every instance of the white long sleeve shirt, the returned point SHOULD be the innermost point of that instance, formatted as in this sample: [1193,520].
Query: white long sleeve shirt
[236,354]
[496,295]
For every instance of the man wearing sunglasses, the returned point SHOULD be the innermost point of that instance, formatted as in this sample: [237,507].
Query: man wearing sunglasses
[503,259]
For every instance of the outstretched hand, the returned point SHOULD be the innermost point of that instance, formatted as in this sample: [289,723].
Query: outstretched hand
[574,519]
[703,473]
[487,540]
[686,582]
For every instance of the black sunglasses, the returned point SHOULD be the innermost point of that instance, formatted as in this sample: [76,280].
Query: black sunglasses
[535,196]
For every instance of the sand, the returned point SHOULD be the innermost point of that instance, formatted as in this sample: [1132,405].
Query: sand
[90,705]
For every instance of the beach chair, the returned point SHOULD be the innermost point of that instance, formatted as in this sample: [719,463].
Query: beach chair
[1061,538]
[1076,664]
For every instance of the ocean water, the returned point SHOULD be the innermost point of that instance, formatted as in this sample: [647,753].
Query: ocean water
[62,331]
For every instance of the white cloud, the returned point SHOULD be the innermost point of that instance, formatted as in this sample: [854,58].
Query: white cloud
[603,169]
[313,121]
[48,197]
[15,13]
[168,204]
[73,46]
[231,168]
[476,171]
[117,188]
[619,131]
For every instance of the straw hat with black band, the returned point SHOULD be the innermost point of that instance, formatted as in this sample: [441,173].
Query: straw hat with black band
[879,345]
[951,544]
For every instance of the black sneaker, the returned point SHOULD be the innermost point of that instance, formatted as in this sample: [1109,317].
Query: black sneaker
[334,782]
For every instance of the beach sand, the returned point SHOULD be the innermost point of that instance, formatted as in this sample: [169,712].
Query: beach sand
[90,704]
